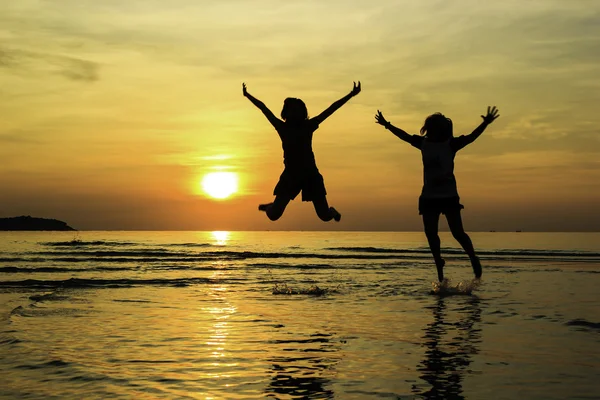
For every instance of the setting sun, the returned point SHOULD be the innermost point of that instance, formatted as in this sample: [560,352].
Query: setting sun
[220,185]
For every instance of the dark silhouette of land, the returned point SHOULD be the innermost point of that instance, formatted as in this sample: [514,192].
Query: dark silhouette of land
[28,223]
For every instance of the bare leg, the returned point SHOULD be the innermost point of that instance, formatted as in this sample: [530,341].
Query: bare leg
[325,212]
[456,227]
[275,209]
[430,223]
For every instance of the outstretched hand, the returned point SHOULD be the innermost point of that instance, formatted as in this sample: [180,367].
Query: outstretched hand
[379,118]
[355,89]
[244,91]
[492,114]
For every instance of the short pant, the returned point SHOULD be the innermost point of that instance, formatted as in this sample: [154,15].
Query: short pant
[439,205]
[310,183]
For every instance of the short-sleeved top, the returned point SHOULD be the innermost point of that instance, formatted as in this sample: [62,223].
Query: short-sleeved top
[438,165]
[296,140]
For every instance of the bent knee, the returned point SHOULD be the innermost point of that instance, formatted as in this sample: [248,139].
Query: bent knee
[274,216]
[325,216]
[458,235]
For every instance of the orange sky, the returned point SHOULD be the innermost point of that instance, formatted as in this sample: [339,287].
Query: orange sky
[112,111]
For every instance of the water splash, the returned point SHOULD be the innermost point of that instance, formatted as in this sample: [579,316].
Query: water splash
[446,288]
[283,288]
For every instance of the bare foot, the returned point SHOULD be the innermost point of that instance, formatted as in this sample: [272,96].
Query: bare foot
[336,215]
[476,267]
[439,265]
[263,207]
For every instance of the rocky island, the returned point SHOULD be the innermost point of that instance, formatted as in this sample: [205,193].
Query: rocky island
[28,223]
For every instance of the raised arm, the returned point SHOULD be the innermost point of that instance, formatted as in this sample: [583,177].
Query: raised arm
[488,118]
[379,118]
[276,122]
[333,108]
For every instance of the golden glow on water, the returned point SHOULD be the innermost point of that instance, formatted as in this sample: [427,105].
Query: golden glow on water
[194,328]
[221,237]
[220,185]
[217,341]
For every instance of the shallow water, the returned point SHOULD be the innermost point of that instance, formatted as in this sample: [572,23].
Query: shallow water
[292,315]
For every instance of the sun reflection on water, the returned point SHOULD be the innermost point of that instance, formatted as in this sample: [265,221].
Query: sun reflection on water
[220,237]
[217,341]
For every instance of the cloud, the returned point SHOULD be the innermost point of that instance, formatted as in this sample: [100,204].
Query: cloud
[21,137]
[167,80]
[31,62]
[80,70]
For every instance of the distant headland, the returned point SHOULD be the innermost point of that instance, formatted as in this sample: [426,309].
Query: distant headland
[27,223]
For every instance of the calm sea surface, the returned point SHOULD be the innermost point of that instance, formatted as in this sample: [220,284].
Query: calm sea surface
[296,315]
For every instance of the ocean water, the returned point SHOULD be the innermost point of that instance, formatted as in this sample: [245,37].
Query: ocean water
[296,315]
